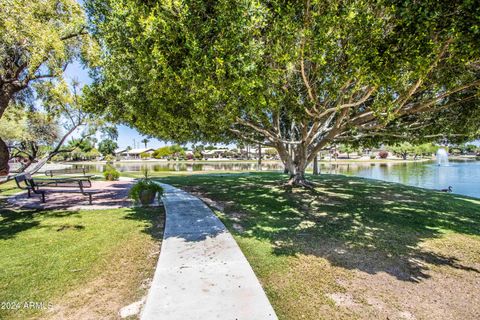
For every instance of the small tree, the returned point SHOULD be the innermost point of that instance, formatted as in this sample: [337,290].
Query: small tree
[181,155]
[107,147]
[345,148]
[425,149]
[145,141]
[38,39]
[162,152]
[93,154]
[402,149]
[37,130]
[37,136]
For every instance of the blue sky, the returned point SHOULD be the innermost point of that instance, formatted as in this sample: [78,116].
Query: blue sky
[126,136]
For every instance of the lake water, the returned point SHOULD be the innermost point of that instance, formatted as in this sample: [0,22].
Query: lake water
[462,176]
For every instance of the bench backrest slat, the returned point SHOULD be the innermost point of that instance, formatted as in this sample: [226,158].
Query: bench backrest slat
[51,173]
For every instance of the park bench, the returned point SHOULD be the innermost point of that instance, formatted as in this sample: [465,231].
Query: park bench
[82,171]
[76,185]
[83,175]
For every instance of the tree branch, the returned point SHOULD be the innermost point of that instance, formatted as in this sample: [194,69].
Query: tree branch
[81,32]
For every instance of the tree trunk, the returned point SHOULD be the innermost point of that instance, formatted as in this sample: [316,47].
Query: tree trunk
[5,97]
[316,169]
[297,178]
[259,156]
[296,163]
[4,157]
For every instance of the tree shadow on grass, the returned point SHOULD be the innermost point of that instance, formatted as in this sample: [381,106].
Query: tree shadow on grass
[354,223]
[8,190]
[152,217]
[14,221]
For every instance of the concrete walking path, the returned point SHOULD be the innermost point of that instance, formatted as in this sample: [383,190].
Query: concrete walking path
[201,272]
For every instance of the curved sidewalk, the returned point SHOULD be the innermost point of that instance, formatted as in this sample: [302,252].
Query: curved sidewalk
[201,272]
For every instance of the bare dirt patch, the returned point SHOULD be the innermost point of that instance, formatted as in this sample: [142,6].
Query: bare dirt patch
[314,288]
[123,279]
[440,291]
[438,297]
[224,206]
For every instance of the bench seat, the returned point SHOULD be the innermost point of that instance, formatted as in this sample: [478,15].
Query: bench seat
[64,182]
[43,186]
[88,193]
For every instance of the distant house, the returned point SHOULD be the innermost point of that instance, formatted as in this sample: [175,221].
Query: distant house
[118,152]
[132,154]
[215,153]
[267,153]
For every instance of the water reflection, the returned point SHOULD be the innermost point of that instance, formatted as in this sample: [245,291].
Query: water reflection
[185,166]
[463,176]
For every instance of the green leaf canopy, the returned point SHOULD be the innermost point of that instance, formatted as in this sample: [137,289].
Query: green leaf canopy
[290,74]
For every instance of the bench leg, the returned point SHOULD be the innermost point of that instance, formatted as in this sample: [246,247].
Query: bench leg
[29,194]
[43,197]
[89,198]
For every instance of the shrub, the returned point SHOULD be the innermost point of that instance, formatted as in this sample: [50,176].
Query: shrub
[162,152]
[111,174]
[383,154]
[144,184]
[372,156]
[144,155]
[109,158]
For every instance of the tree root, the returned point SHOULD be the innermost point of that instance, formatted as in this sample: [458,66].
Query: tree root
[301,183]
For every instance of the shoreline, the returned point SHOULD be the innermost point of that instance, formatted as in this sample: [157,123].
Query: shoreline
[339,161]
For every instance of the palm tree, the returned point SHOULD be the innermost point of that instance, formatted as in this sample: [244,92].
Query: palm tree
[145,141]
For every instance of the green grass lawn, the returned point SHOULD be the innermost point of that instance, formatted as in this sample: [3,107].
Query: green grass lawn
[352,247]
[86,264]
[8,189]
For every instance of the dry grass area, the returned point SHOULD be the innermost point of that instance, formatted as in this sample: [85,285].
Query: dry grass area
[88,264]
[124,278]
[352,248]
[319,286]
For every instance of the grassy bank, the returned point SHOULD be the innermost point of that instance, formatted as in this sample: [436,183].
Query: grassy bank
[80,264]
[352,248]
[9,188]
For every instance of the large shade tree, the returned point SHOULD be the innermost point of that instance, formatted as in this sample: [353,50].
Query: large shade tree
[37,41]
[36,136]
[292,75]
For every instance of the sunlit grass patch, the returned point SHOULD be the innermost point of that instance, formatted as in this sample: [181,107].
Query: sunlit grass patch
[352,247]
[76,259]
